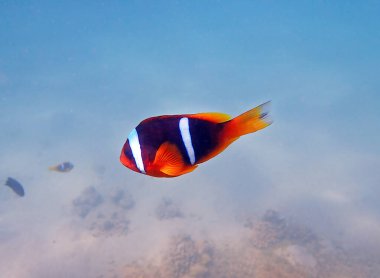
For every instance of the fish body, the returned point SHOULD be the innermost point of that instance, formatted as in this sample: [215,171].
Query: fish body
[15,186]
[63,167]
[173,145]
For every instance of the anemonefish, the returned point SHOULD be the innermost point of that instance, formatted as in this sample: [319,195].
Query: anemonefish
[173,145]
[63,167]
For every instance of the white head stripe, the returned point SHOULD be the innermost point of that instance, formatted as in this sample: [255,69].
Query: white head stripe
[186,138]
[136,150]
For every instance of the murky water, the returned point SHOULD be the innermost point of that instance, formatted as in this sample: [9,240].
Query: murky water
[297,199]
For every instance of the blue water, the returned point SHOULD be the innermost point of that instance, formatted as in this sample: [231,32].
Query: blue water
[76,78]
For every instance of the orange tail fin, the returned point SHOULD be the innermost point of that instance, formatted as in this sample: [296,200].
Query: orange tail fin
[248,122]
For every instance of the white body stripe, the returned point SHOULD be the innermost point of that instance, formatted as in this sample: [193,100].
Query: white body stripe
[186,138]
[136,149]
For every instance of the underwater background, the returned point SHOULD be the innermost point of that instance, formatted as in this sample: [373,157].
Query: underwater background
[297,199]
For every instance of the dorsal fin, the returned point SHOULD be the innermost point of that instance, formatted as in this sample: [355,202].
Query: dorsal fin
[214,117]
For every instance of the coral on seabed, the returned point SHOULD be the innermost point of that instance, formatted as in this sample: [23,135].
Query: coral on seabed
[167,209]
[184,258]
[286,250]
[87,201]
[122,198]
[187,258]
[272,230]
[137,270]
[104,214]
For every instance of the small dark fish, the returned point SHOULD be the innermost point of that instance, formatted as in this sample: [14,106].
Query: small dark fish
[15,186]
[63,167]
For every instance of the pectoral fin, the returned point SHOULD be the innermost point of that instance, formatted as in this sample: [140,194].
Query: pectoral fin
[169,161]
